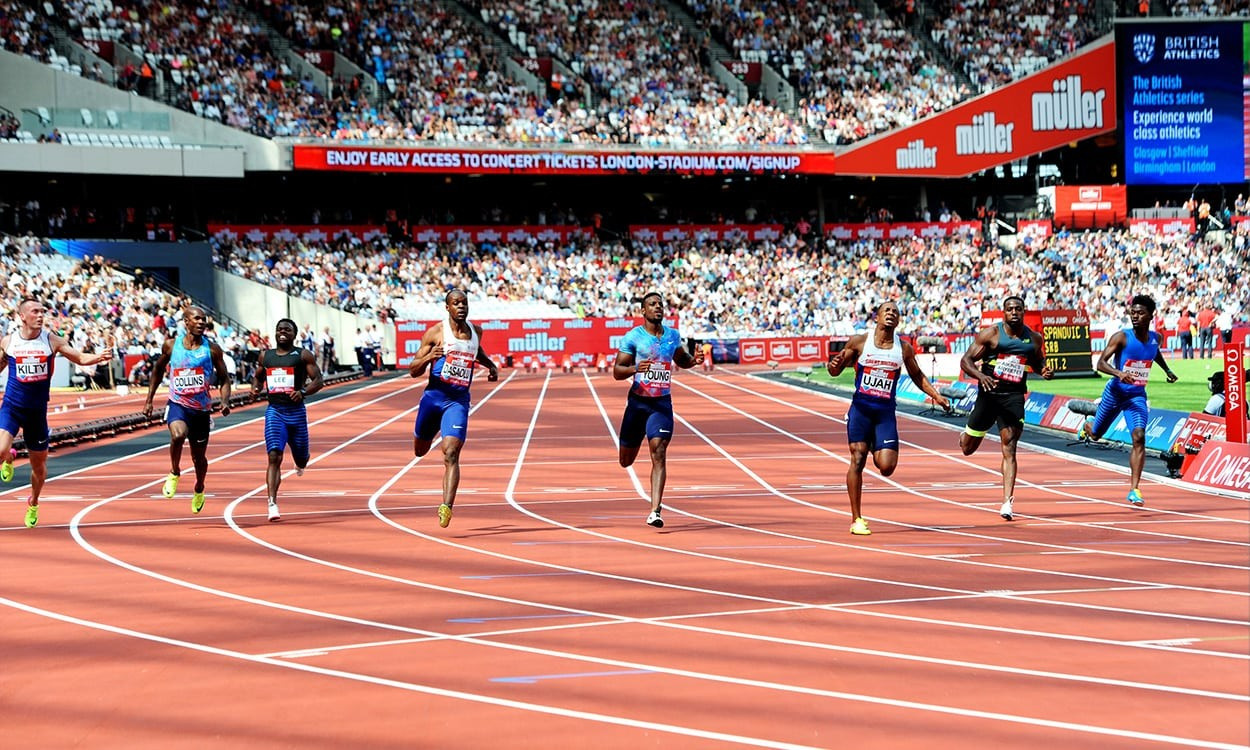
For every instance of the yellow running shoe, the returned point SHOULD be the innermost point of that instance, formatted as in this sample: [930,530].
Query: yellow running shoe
[171,485]
[32,515]
[860,527]
[444,515]
[197,502]
[6,468]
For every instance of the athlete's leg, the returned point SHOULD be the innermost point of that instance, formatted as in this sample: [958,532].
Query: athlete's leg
[429,419]
[628,453]
[886,461]
[855,476]
[979,420]
[451,469]
[38,474]
[1136,457]
[659,470]
[273,474]
[199,458]
[1010,437]
[177,436]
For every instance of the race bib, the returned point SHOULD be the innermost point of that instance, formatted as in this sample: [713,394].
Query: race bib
[657,374]
[1009,367]
[878,382]
[1138,371]
[457,368]
[188,381]
[32,369]
[280,379]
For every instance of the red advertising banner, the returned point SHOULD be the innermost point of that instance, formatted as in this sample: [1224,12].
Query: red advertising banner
[292,232]
[784,350]
[539,66]
[749,73]
[1066,102]
[1145,227]
[583,340]
[1090,206]
[1235,391]
[1039,228]
[492,233]
[321,59]
[1221,465]
[1198,429]
[670,232]
[553,161]
[900,230]
[103,48]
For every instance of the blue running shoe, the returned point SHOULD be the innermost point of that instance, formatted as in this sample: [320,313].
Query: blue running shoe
[1135,498]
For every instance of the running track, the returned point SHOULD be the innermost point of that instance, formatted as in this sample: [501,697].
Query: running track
[549,614]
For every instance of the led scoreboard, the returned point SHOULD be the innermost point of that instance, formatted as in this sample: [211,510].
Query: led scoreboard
[1182,88]
[1065,336]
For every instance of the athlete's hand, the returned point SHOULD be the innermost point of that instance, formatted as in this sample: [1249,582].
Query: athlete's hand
[943,402]
[642,366]
[435,353]
[986,382]
[225,410]
[698,355]
[296,396]
[1172,377]
[1124,378]
[1047,373]
[147,409]
[492,374]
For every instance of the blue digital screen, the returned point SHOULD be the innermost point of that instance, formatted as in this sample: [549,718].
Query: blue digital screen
[1182,96]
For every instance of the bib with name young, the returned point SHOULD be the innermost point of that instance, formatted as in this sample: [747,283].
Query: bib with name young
[657,351]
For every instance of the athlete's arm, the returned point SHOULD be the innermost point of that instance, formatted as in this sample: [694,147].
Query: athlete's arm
[986,339]
[685,359]
[917,376]
[1038,360]
[429,352]
[847,357]
[158,372]
[313,381]
[625,366]
[219,367]
[1163,363]
[1114,344]
[4,353]
[492,370]
[61,346]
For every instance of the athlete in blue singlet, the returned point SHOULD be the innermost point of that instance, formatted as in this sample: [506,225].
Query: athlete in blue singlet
[453,346]
[289,374]
[30,354]
[648,355]
[871,424]
[1133,350]
[192,361]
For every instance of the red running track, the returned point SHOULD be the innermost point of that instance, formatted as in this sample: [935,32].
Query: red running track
[549,613]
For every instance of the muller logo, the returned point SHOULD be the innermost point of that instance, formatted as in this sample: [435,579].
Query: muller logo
[1068,106]
[984,136]
[916,156]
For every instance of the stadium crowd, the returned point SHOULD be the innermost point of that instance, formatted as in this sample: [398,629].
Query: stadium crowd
[796,284]
[857,71]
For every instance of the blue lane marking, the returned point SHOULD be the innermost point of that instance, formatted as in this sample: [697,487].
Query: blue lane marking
[531,679]
[519,575]
[479,620]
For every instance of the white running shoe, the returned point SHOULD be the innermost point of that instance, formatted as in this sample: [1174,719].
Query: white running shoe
[654,520]
[274,515]
[1005,511]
